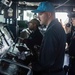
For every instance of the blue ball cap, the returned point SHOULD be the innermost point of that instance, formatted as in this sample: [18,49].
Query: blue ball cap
[45,7]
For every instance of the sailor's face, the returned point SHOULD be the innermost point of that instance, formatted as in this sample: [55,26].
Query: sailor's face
[73,21]
[43,18]
[31,26]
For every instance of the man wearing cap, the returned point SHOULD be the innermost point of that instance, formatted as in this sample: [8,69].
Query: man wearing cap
[51,55]
[71,44]
[35,38]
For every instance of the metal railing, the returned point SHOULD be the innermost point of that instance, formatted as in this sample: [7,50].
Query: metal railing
[18,64]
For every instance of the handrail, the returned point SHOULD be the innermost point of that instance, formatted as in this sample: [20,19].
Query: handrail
[18,64]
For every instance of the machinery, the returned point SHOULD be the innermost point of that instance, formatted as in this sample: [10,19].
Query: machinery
[14,58]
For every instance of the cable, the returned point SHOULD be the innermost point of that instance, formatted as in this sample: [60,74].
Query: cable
[62,4]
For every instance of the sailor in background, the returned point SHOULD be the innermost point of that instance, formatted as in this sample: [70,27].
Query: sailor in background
[70,31]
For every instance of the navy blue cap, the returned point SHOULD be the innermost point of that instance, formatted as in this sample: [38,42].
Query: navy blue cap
[45,7]
[71,15]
